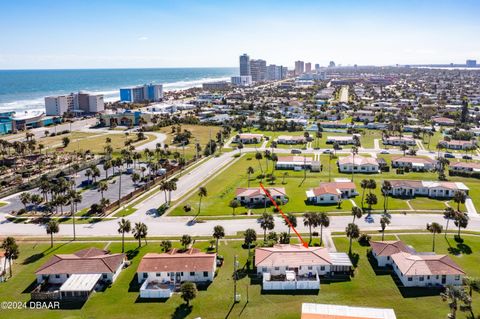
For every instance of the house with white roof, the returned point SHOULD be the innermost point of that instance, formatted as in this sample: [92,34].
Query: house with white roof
[297,163]
[458,144]
[341,140]
[289,139]
[358,164]
[417,164]
[331,192]
[324,311]
[382,251]
[399,140]
[160,275]
[433,189]
[255,195]
[248,138]
[294,267]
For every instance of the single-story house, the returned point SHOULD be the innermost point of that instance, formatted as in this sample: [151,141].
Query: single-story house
[288,139]
[297,163]
[333,124]
[397,140]
[459,144]
[331,192]
[256,195]
[383,250]
[418,164]
[443,121]
[248,138]
[434,189]
[292,267]
[161,274]
[66,276]
[341,140]
[424,270]
[324,311]
[465,167]
[360,164]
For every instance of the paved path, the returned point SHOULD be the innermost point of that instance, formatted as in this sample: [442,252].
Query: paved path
[472,211]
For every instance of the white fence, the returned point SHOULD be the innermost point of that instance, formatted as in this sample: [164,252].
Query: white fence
[291,285]
[155,292]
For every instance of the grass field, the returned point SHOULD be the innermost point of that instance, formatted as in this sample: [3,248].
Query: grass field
[221,189]
[97,143]
[52,141]
[121,300]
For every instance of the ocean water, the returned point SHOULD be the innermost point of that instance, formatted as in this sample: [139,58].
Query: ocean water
[25,89]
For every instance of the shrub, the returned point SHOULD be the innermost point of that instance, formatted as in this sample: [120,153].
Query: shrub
[364,239]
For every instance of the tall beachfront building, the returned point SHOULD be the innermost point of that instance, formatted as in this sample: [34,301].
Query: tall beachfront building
[299,67]
[80,102]
[244,65]
[308,67]
[242,80]
[276,72]
[258,70]
[147,92]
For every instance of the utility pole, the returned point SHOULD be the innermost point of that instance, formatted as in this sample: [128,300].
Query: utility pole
[235,266]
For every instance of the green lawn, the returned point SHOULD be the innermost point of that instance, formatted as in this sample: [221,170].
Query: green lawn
[424,203]
[121,299]
[201,133]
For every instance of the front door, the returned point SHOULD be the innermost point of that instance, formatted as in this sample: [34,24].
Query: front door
[178,278]
[444,279]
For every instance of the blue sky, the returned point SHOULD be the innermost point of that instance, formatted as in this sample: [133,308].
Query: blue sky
[147,33]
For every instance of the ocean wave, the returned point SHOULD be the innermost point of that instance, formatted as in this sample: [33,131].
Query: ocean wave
[109,95]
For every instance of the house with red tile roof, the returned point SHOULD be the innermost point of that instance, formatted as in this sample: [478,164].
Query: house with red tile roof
[458,144]
[425,270]
[297,163]
[383,250]
[443,121]
[331,192]
[433,189]
[291,267]
[464,168]
[289,139]
[161,274]
[77,275]
[359,164]
[397,140]
[248,138]
[255,195]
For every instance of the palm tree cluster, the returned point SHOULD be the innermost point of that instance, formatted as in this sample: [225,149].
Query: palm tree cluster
[313,220]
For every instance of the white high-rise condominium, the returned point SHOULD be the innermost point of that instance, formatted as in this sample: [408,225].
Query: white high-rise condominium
[299,67]
[244,65]
[275,72]
[317,67]
[258,70]
[308,67]
[56,105]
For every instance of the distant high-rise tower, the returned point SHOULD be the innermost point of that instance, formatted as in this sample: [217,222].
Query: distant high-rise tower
[331,64]
[471,63]
[299,67]
[244,65]
[308,67]
[258,70]
[317,66]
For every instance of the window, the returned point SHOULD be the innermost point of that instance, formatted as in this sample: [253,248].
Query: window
[192,273]
[422,278]
[205,274]
[158,274]
[388,257]
[332,198]
[457,277]
[277,268]
[145,275]
[428,277]
[410,278]
[104,276]
[322,267]
[437,276]
[309,267]
[57,276]
[264,269]
[181,274]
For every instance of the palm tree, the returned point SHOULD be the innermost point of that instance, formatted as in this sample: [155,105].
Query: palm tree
[453,295]
[352,231]
[386,189]
[185,241]
[323,221]
[449,213]
[310,220]
[459,197]
[371,200]
[357,212]
[266,222]
[461,221]
[290,220]
[189,291]
[250,171]
[102,187]
[354,152]
[234,204]
[166,245]
[52,228]
[434,228]
[384,222]
[250,236]
[364,186]
[258,157]
[11,252]
[218,233]
[25,198]
[139,232]
[285,175]
[202,192]
[124,226]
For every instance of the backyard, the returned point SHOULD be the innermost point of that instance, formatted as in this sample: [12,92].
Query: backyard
[121,299]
